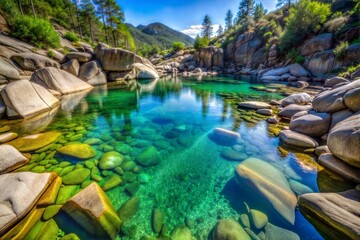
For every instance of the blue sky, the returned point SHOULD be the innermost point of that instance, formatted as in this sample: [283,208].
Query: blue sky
[183,15]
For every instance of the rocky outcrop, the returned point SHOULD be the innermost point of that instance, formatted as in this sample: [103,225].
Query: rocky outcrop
[19,194]
[318,43]
[72,67]
[335,214]
[25,99]
[143,71]
[209,57]
[59,80]
[31,61]
[4,27]
[246,46]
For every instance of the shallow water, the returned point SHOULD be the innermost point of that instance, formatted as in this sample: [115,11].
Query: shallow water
[193,183]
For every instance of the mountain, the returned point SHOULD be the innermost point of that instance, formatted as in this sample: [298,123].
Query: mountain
[158,34]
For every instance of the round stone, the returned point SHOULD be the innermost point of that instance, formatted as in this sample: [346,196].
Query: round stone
[78,150]
[111,160]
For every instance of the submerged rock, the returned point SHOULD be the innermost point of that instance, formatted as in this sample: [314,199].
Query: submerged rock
[225,137]
[181,233]
[273,232]
[34,142]
[297,139]
[270,183]
[129,208]
[78,150]
[76,177]
[10,159]
[228,229]
[335,214]
[259,219]
[110,160]
[233,155]
[112,182]
[148,157]
[254,105]
[157,220]
[92,210]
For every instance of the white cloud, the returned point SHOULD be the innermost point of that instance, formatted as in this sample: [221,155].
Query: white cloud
[196,30]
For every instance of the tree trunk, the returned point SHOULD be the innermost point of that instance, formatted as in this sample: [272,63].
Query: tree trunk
[91,31]
[32,8]
[20,7]
[105,28]
[78,19]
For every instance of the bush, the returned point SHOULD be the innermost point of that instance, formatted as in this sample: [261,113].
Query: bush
[305,18]
[201,42]
[336,24]
[295,56]
[340,50]
[268,35]
[9,8]
[71,37]
[36,31]
[177,46]
[51,54]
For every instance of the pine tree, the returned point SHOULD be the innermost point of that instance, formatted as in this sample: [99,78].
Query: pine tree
[259,12]
[101,12]
[207,27]
[88,12]
[287,3]
[220,31]
[229,20]
[245,10]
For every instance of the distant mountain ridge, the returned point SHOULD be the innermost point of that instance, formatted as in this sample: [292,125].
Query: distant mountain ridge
[158,34]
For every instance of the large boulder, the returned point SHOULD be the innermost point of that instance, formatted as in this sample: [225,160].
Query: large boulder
[143,71]
[31,61]
[323,62]
[81,57]
[298,71]
[344,140]
[59,80]
[277,71]
[270,183]
[313,124]
[8,70]
[334,81]
[116,59]
[297,98]
[72,67]
[333,100]
[10,159]
[228,229]
[318,43]
[339,117]
[337,215]
[209,57]
[24,99]
[89,70]
[225,137]
[19,194]
[297,139]
[352,99]
[93,211]
[292,109]
[246,46]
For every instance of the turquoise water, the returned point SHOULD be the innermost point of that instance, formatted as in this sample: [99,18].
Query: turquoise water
[193,183]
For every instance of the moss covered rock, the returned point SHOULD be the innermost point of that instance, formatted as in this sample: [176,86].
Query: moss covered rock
[112,182]
[78,151]
[129,208]
[111,160]
[34,142]
[76,177]
[148,157]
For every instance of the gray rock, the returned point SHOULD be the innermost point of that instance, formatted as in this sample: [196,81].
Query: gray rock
[336,214]
[277,71]
[297,139]
[79,56]
[336,165]
[254,105]
[297,98]
[230,230]
[299,188]
[25,99]
[89,70]
[32,61]
[318,43]
[344,140]
[143,71]
[313,124]
[321,150]
[59,80]
[298,71]
[99,79]
[339,117]
[19,193]
[233,155]
[72,67]
[225,137]
[266,112]
[273,232]
[352,99]
[290,110]
[10,159]
[8,69]
[331,82]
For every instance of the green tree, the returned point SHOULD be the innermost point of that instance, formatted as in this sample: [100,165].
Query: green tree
[220,31]
[88,12]
[207,29]
[259,12]
[229,20]
[245,10]
[201,42]
[100,4]
[305,18]
[177,46]
[287,3]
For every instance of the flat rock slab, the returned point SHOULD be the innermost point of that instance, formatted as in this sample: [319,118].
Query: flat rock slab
[254,105]
[6,137]
[297,139]
[10,159]
[335,213]
[34,142]
[19,194]
[340,167]
[79,56]
[31,61]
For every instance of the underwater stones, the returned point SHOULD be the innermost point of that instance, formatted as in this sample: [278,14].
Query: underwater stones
[225,137]
[128,166]
[181,232]
[65,193]
[157,219]
[259,219]
[297,98]
[43,230]
[340,167]
[93,141]
[344,140]
[143,178]
[132,188]
[228,229]
[78,151]
[233,155]
[273,232]
[129,208]
[123,148]
[254,105]
[76,177]
[70,236]
[19,193]
[336,214]
[299,188]
[112,182]
[49,197]
[270,183]
[10,159]
[34,142]
[51,211]
[92,210]
[313,124]
[110,160]
[297,139]
[5,128]
[245,220]
[148,157]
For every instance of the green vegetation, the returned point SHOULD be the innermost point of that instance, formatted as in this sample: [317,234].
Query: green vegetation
[295,56]
[348,71]
[305,18]
[207,29]
[51,54]
[71,37]
[201,42]
[36,31]
[340,50]
[177,46]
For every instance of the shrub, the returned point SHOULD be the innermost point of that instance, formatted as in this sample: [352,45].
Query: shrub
[71,37]
[336,24]
[36,31]
[268,35]
[295,56]
[305,17]
[201,42]
[9,8]
[177,46]
[51,54]
[340,50]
